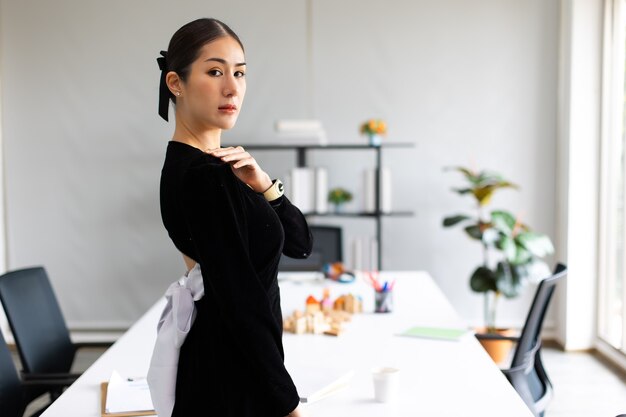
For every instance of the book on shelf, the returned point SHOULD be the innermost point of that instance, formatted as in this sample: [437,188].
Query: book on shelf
[384,190]
[321,190]
[307,189]
[303,188]
[364,253]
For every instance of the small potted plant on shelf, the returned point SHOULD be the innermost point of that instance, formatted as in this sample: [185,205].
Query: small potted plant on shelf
[338,196]
[512,252]
[374,129]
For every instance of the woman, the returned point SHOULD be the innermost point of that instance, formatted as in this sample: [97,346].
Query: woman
[224,213]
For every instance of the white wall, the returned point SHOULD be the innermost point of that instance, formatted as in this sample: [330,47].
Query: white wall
[84,144]
[470,83]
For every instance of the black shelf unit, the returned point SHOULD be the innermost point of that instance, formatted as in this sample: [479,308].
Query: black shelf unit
[377,215]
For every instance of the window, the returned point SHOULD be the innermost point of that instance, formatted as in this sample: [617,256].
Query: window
[612,253]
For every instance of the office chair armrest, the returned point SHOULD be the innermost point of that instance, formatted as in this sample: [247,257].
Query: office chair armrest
[495,336]
[47,382]
[28,376]
[81,345]
[515,370]
[526,366]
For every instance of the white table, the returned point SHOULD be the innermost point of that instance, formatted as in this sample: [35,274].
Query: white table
[438,378]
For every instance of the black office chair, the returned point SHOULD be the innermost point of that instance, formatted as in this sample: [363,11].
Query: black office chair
[526,373]
[16,394]
[42,338]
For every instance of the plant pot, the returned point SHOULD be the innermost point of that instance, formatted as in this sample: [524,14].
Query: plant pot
[374,139]
[498,349]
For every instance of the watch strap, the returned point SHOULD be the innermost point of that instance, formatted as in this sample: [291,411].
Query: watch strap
[275,191]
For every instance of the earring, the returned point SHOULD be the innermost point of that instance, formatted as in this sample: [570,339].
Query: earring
[178,93]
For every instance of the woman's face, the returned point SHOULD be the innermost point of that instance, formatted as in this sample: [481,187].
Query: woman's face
[216,85]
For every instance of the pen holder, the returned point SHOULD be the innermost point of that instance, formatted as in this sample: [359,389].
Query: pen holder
[383,301]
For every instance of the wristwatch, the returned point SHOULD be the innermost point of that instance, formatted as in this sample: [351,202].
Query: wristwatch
[276,190]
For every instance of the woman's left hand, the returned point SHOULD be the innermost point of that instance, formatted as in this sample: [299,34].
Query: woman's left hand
[244,166]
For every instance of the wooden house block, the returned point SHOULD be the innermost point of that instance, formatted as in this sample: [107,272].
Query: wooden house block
[300,325]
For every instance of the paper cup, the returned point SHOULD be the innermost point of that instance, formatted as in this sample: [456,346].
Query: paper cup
[386,384]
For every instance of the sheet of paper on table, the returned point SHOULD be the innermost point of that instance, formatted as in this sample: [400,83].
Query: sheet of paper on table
[316,383]
[435,333]
[127,395]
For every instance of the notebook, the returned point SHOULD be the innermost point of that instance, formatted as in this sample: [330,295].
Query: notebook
[128,396]
[442,333]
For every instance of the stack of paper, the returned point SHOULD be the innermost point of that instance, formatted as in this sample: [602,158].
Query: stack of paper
[301,132]
[127,395]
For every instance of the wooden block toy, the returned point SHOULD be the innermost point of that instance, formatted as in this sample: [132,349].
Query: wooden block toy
[300,325]
[339,316]
[340,303]
[325,316]
[332,332]
[289,325]
[349,303]
[312,305]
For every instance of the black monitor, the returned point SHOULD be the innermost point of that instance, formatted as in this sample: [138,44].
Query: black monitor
[327,248]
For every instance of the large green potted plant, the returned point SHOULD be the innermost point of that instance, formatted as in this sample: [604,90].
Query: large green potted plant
[512,252]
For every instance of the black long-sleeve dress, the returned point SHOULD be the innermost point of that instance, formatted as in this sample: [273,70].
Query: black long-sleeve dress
[232,362]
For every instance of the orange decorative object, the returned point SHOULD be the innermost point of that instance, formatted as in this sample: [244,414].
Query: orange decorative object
[312,305]
[311,300]
[326,293]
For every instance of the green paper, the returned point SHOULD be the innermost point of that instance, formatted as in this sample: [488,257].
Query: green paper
[435,333]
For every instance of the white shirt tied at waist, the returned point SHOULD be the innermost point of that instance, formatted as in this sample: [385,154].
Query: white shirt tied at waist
[174,325]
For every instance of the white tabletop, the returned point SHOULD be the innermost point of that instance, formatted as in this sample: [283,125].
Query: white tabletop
[438,378]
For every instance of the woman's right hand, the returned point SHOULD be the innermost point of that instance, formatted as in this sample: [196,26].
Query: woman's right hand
[298,412]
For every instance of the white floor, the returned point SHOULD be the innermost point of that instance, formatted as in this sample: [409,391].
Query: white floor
[584,385]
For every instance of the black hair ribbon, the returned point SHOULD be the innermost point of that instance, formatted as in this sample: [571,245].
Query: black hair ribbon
[164,92]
